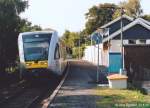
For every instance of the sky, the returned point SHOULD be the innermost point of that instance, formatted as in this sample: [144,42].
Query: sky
[64,15]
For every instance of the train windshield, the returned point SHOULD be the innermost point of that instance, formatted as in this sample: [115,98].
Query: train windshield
[36,47]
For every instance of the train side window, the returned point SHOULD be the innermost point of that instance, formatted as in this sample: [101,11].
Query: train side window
[57,52]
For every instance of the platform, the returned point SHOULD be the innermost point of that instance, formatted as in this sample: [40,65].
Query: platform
[78,90]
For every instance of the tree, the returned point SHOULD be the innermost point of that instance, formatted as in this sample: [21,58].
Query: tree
[27,26]
[146,17]
[65,37]
[71,38]
[10,24]
[73,41]
[131,8]
[98,16]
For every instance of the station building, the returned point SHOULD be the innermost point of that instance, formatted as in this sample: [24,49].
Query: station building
[136,47]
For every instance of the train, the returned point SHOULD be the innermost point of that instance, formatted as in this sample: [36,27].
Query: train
[41,54]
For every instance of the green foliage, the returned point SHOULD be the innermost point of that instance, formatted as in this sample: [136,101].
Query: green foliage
[78,52]
[71,39]
[27,26]
[98,16]
[116,14]
[146,17]
[74,41]
[10,26]
[123,98]
[131,8]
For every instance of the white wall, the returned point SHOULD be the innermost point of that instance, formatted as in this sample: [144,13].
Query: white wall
[105,59]
[115,46]
[91,54]
[148,41]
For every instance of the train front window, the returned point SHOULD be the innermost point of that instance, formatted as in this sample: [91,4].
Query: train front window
[36,47]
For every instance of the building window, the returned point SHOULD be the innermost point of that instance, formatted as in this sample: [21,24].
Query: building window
[132,41]
[142,41]
[125,42]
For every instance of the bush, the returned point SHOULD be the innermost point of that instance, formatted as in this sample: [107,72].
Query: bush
[77,50]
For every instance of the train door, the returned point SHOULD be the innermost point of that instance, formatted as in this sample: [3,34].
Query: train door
[57,59]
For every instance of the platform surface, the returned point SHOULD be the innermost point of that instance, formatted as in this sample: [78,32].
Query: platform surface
[78,90]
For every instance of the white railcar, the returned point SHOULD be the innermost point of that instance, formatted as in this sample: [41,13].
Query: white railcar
[41,53]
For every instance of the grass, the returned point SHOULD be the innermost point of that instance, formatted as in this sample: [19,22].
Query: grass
[115,98]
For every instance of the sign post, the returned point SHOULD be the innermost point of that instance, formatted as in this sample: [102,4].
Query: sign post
[97,36]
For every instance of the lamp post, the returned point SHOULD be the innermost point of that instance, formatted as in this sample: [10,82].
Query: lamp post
[121,38]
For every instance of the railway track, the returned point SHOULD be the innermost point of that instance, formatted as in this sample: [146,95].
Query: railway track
[25,100]
[12,91]
[29,96]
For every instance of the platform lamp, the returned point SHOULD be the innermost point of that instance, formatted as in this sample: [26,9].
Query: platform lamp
[122,70]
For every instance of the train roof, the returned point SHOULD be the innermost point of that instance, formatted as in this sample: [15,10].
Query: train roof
[37,32]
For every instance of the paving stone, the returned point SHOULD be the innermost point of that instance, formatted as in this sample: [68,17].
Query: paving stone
[77,92]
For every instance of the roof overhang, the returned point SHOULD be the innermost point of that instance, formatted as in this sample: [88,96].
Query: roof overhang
[117,19]
[137,21]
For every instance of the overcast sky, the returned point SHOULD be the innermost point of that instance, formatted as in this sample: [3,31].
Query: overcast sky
[65,14]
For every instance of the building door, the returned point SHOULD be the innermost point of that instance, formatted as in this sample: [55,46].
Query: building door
[114,62]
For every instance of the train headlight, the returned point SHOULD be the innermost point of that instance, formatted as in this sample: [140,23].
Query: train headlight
[27,64]
[45,63]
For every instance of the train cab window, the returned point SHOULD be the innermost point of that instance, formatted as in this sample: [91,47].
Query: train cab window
[57,53]
[36,46]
